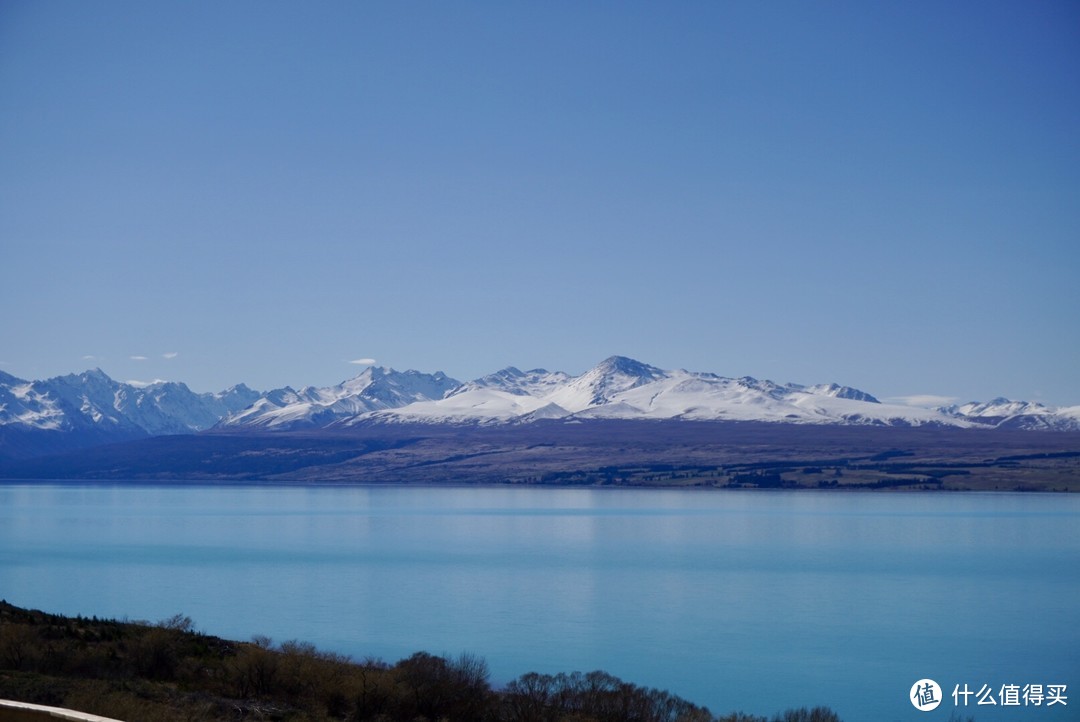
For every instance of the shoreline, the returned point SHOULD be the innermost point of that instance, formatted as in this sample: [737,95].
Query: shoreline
[692,488]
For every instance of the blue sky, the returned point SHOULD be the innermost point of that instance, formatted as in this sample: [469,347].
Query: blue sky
[881,194]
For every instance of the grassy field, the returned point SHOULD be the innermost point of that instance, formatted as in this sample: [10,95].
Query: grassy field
[629,453]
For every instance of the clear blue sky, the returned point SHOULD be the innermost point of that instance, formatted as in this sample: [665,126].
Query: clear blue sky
[883,194]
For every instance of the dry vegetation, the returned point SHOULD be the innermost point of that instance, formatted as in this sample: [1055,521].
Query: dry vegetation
[168,672]
[596,453]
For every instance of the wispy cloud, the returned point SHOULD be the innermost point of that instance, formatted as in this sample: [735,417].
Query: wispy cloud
[143,384]
[138,358]
[363,361]
[170,354]
[89,357]
[928,401]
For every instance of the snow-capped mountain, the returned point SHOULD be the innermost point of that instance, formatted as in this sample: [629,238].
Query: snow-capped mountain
[537,382]
[620,387]
[93,408]
[92,399]
[1006,413]
[999,408]
[375,389]
[842,392]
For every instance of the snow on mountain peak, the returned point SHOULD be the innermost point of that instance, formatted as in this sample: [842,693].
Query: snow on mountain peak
[376,388]
[624,366]
[93,400]
[999,407]
[842,392]
[617,387]
[600,384]
[536,382]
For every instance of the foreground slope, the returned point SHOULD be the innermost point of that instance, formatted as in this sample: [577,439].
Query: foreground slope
[167,672]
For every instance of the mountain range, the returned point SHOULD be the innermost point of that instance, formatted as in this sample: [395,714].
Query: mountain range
[77,411]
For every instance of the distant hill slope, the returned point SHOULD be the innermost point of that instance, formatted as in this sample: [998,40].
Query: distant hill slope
[595,452]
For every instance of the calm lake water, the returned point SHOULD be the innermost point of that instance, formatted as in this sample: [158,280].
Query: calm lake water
[756,601]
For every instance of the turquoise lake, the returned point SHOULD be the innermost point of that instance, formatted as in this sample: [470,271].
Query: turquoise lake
[756,601]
